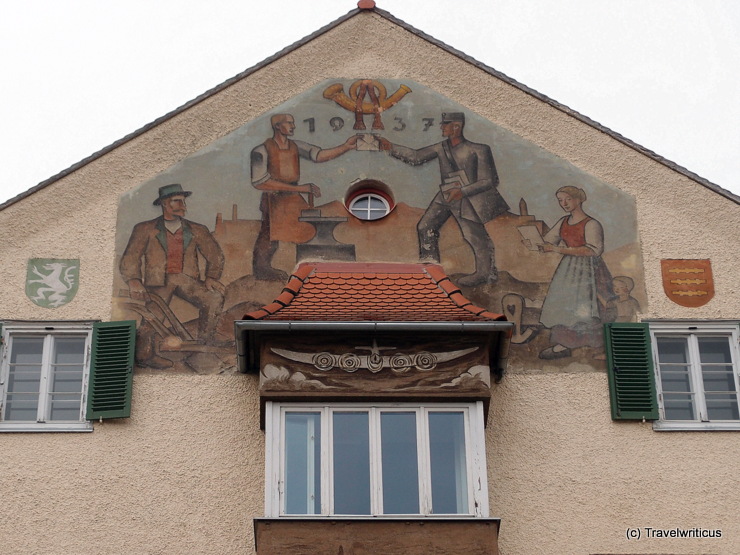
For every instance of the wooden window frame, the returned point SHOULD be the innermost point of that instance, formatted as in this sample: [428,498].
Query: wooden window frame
[692,331]
[50,331]
[369,195]
[477,484]
[107,379]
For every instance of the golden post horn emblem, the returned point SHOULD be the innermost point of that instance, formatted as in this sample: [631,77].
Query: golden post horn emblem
[378,102]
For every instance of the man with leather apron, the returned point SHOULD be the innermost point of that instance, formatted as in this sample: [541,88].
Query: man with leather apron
[275,167]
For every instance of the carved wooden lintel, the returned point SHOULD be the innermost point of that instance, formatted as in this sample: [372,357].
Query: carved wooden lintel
[381,366]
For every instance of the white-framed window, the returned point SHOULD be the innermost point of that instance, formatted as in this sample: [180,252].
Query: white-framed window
[381,459]
[44,376]
[368,205]
[697,368]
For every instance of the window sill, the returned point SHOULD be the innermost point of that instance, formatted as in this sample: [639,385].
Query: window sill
[410,536]
[46,427]
[677,426]
[403,518]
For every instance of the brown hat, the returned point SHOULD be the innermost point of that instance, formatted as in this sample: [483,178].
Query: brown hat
[170,191]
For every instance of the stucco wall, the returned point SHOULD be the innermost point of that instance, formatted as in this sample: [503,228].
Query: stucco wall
[564,478]
[182,475]
[185,473]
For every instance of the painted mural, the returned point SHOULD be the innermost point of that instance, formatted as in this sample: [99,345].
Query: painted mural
[521,231]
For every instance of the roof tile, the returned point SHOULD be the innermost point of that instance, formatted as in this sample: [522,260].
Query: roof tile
[371,292]
[294,284]
[303,271]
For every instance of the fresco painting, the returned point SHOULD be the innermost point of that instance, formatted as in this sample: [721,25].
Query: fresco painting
[161,261]
[521,231]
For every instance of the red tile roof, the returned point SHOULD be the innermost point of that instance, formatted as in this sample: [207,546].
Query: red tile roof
[376,292]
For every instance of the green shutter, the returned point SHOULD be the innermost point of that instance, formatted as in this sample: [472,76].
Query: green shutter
[631,374]
[111,370]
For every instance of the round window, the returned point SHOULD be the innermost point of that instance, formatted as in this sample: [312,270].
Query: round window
[369,206]
[369,199]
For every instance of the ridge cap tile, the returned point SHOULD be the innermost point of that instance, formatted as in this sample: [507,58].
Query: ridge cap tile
[436,272]
[285,298]
[304,271]
[272,308]
[294,284]
[448,287]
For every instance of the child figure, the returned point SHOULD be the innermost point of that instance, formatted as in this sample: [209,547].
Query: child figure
[623,307]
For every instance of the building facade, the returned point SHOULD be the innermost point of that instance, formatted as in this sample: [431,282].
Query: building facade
[370,301]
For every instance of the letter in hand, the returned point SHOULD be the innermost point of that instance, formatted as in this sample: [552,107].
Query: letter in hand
[351,143]
[547,247]
[454,193]
[385,144]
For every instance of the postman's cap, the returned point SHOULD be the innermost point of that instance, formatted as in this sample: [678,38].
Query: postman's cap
[448,117]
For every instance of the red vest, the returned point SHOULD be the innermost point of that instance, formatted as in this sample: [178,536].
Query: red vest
[574,235]
[174,252]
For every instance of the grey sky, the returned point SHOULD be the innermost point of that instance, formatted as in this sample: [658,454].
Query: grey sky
[80,74]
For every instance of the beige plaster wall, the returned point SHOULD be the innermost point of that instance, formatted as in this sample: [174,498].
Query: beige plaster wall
[564,478]
[182,475]
[185,473]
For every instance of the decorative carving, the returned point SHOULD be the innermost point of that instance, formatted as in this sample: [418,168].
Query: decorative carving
[374,362]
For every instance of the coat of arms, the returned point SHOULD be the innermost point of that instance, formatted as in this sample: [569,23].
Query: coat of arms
[688,282]
[52,282]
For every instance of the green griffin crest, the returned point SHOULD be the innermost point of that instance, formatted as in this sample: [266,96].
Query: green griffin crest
[52,282]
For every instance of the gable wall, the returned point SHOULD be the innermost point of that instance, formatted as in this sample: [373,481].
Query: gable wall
[185,472]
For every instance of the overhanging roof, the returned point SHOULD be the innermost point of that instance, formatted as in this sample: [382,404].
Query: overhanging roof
[369,298]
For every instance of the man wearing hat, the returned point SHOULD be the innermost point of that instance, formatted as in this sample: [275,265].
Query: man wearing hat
[467,192]
[162,258]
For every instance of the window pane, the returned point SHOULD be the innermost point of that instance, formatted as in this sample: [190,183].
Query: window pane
[672,350]
[722,406]
[369,207]
[718,381]
[400,463]
[24,379]
[351,444]
[675,381]
[302,463]
[714,350]
[65,407]
[20,406]
[678,406]
[449,465]
[69,350]
[376,204]
[27,350]
[66,378]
